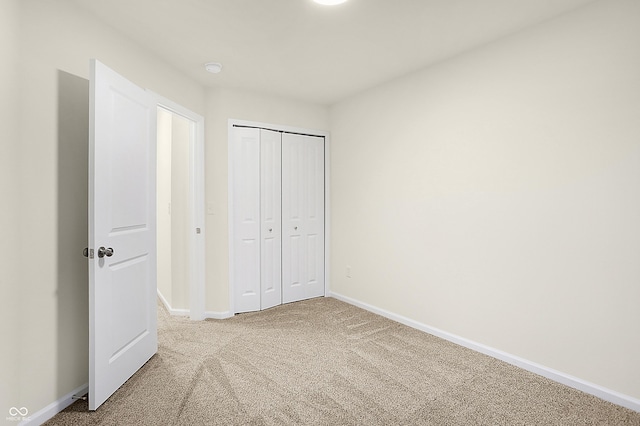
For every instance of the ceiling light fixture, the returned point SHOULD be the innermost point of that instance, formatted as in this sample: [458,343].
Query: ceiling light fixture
[329,2]
[213,67]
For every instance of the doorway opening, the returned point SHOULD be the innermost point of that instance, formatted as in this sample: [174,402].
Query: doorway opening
[180,210]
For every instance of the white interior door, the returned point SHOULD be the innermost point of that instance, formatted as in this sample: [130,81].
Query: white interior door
[245,172]
[302,217]
[270,238]
[122,231]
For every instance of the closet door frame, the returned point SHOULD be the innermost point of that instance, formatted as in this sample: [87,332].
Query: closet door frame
[231,187]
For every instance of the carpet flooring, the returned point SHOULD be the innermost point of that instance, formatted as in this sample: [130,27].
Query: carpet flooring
[324,362]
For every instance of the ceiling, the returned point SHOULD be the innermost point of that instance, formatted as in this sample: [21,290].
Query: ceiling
[300,50]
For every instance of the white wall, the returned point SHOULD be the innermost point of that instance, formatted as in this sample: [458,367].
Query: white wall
[9,197]
[222,105]
[180,135]
[56,42]
[496,196]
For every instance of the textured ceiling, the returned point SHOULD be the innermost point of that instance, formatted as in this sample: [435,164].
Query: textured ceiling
[301,50]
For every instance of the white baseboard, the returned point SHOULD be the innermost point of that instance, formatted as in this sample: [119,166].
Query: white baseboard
[187,312]
[55,407]
[172,311]
[558,376]
[218,315]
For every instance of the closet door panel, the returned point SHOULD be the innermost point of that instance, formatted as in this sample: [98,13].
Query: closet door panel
[270,209]
[293,247]
[302,217]
[314,219]
[246,219]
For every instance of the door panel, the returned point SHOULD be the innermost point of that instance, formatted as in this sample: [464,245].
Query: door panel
[246,219]
[270,204]
[122,178]
[315,218]
[302,217]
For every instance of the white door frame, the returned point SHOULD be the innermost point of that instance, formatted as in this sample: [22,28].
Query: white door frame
[196,205]
[327,197]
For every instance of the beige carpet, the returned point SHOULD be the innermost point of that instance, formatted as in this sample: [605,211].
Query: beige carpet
[324,362]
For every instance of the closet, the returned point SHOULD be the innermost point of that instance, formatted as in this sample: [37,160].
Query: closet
[277,206]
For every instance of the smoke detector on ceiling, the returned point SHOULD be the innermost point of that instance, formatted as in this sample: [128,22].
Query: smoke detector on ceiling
[213,67]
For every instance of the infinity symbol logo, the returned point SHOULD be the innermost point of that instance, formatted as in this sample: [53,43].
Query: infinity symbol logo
[13,411]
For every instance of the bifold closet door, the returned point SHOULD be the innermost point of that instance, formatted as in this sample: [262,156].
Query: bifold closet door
[302,217]
[246,219]
[257,220]
[270,218]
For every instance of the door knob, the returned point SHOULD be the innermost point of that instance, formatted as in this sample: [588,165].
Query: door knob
[85,252]
[102,252]
[295,228]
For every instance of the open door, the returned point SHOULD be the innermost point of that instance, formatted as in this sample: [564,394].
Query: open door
[122,231]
